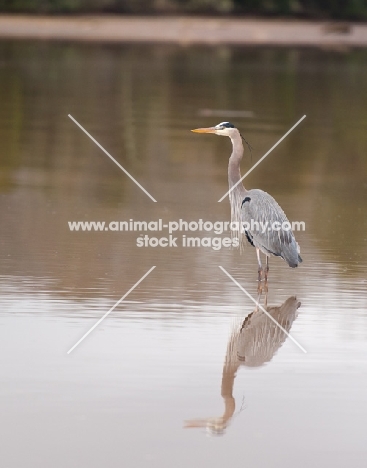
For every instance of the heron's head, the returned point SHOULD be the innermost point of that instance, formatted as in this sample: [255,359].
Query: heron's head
[223,129]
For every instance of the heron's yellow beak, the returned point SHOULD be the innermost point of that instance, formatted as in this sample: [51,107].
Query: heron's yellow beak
[204,130]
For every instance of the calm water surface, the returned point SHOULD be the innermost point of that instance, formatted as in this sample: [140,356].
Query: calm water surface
[175,375]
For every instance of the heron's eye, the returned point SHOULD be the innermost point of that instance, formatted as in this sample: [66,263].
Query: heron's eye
[224,125]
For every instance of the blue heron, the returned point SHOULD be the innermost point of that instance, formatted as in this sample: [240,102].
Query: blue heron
[265,224]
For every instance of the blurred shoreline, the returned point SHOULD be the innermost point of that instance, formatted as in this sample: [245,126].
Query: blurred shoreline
[185,30]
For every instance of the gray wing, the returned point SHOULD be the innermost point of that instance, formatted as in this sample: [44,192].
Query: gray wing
[259,212]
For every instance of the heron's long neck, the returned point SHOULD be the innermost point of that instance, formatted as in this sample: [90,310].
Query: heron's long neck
[234,171]
[239,193]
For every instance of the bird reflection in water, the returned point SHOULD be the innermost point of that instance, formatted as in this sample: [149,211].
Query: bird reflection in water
[252,343]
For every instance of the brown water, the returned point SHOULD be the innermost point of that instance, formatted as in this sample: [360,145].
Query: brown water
[159,362]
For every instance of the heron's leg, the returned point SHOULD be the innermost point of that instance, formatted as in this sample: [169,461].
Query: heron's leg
[266,268]
[260,270]
[266,288]
[259,292]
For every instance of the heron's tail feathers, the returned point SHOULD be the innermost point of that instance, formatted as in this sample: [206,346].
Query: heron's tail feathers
[292,257]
